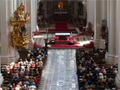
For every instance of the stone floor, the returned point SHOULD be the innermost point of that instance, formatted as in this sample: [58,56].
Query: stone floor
[60,71]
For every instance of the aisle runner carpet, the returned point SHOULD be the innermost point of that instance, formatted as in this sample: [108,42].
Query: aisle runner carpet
[59,72]
[60,21]
[61,27]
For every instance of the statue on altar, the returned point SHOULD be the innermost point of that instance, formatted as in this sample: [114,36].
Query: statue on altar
[104,29]
[89,28]
[60,5]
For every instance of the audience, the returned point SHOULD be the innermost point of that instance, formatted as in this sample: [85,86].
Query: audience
[92,75]
[25,74]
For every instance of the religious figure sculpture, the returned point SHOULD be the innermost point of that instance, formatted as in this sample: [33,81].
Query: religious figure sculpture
[19,15]
[60,5]
[103,29]
[89,28]
[40,9]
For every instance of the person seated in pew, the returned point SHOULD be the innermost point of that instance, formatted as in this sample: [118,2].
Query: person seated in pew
[24,87]
[18,87]
[9,84]
[115,71]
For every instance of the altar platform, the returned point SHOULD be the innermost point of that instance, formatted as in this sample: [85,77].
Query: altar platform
[62,34]
[60,12]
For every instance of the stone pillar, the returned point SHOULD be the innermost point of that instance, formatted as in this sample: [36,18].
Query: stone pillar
[108,22]
[90,12]
[111,33]
[117,60]
[103,16]
[14,5]
[31,26]
[103,9]
[8,53]
[117,30]
[4,31]
[4,37]
[118,47]
[96,23]
[12,50]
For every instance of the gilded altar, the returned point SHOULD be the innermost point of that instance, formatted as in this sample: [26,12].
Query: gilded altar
[19,38]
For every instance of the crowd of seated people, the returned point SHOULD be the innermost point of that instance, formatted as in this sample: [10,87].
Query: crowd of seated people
[25,74]
[43,23]
[93,76]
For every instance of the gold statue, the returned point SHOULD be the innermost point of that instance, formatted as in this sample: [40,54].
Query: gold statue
[19,16]
[18,38]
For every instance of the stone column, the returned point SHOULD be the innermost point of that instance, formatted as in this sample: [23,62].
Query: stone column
[8,53]
[14,5]
[111,33]
[4,32]
[12,50]
[103,16]
[4,37]
[108,22]
[31,26]
[90,11]
[118,47]
[117,30]
[96,23]
[103,9]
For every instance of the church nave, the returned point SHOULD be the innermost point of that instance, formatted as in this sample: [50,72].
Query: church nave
[59,72]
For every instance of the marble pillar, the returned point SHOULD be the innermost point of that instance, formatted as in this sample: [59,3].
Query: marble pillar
[108,22]
[12,50]
[14,5]
[96,23]
[8,53]
[111,32]
[90,12]
[31,26]
[3,30]
[103,16]
[117,30]
[118,42]
[103,9]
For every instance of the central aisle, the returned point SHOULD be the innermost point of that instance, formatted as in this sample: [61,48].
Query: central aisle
[60,71]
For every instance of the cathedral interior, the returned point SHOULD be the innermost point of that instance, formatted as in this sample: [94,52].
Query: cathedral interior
[59,45]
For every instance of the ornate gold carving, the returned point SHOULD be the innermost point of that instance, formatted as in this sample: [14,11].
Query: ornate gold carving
[18,37]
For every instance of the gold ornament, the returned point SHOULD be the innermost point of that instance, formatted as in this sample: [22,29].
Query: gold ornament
[18,38]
